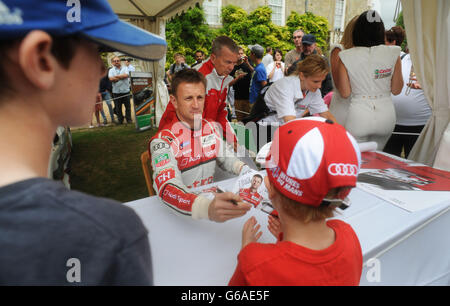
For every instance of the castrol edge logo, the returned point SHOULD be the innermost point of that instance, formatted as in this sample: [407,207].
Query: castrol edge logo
[343,169]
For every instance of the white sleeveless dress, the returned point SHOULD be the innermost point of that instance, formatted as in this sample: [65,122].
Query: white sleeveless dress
[371,114]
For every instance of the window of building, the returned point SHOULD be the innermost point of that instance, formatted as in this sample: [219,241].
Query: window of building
[212,10]
[339,15]
[278,8]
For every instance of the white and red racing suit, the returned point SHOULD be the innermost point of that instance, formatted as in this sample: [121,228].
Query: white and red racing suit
[183,158]
[251,197]
[215,109]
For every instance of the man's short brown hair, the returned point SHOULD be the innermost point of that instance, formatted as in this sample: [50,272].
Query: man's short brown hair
[258,176]
[178,55]
[223,41]
[190,76]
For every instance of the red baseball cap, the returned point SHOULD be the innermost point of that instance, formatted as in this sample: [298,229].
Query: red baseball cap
[310,156]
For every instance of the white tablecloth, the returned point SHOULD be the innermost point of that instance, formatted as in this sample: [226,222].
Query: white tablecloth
[409,248]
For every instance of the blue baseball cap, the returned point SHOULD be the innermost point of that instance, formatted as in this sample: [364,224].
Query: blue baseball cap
[93,19]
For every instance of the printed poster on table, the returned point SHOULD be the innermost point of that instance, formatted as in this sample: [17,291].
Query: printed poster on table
[404,183]
[249,186]
[144,99]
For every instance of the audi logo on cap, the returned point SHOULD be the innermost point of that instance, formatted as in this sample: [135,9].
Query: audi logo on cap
[343,169]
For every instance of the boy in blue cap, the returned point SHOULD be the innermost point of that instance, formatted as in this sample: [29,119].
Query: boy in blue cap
[49,76]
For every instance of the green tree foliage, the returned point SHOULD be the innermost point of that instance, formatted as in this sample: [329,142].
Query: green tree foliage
[235,23]
[256,27]
[187,33]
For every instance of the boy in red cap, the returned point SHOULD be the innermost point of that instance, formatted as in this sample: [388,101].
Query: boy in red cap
[306,181]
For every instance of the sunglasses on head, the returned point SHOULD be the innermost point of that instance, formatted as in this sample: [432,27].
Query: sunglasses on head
[341,203]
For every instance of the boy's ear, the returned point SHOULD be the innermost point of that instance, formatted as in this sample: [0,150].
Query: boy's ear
[269,187]
[36,60]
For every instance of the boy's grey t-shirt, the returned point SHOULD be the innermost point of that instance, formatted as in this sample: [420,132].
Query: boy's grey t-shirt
[50,235]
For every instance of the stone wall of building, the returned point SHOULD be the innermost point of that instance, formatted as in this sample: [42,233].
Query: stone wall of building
[353,8]
[325,8]
[248,6]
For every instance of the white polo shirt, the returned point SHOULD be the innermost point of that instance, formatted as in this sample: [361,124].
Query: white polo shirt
[122,86]
[285,97]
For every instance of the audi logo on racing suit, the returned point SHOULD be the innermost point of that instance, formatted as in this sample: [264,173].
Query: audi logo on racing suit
[343,169]
[160,146]
[188,160]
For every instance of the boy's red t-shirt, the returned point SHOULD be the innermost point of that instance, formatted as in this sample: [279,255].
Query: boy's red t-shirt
[287,263]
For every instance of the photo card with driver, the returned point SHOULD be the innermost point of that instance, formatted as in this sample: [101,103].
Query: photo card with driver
[251,188]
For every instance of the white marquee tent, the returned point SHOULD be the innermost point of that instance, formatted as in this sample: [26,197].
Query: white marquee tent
[427,27]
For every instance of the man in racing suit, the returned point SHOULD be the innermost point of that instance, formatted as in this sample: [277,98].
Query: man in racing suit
[216,69]
[251,194]
[185,152]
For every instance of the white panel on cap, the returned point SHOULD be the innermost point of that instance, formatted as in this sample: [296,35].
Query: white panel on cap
[307,155]
[356,147]
[312,118]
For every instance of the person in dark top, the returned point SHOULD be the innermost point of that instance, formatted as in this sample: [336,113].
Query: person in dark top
[45,228]
[199,58]
[310,47]
[242,74]
[178,65]
[50,235]
[105,90]
[259,77]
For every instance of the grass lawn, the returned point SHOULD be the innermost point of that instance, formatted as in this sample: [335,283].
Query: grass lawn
[106,162]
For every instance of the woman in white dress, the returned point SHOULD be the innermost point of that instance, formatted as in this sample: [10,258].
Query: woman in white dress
[275,69]
[369,73]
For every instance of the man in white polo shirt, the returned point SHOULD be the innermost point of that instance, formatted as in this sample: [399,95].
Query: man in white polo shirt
[119,76]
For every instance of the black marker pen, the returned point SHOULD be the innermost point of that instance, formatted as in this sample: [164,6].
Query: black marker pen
[221,191]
